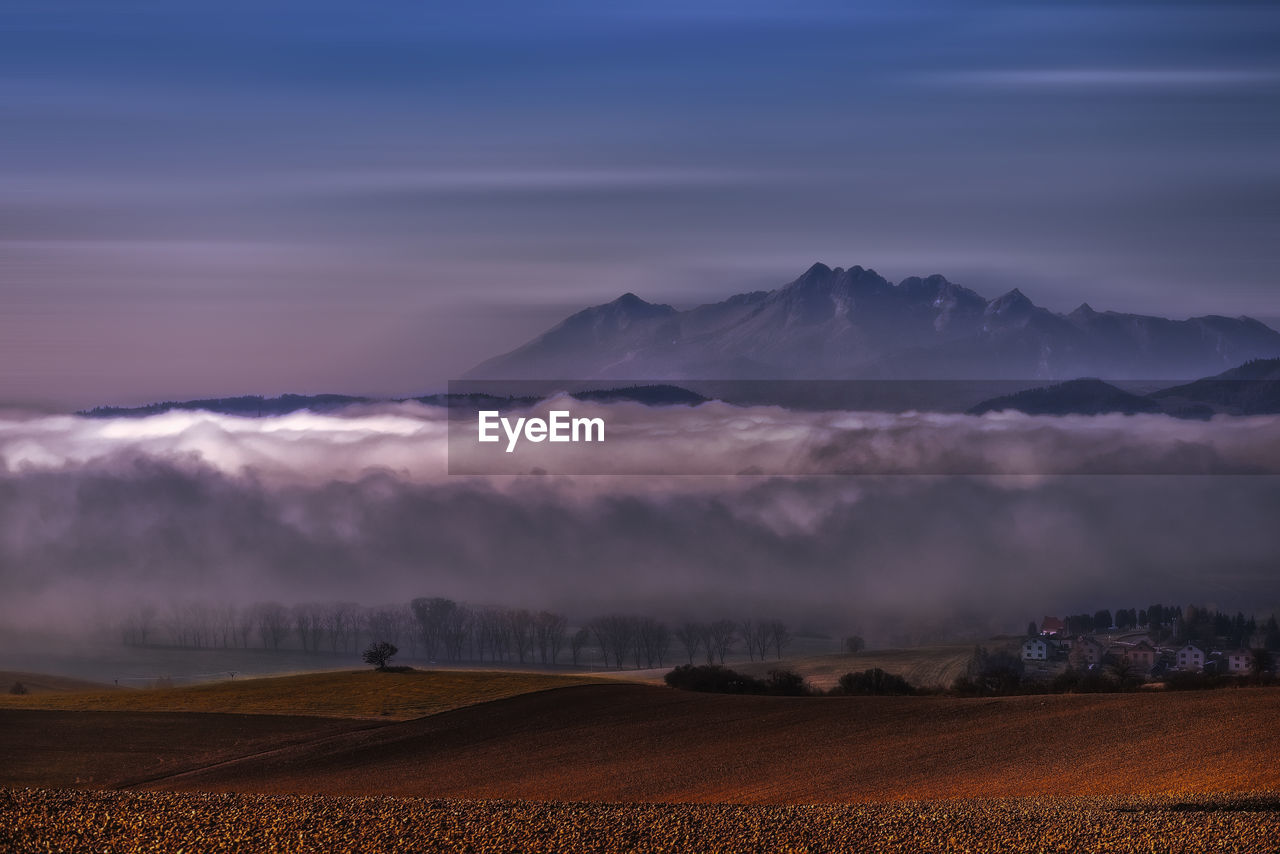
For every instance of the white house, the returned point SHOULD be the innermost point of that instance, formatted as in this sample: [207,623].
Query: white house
[1240,661]
[1190,657]
[1035,649]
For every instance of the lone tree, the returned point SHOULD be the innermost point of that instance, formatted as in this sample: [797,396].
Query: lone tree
[379,653]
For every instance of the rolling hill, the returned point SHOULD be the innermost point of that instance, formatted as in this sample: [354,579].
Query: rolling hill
[619,742]
[338,693]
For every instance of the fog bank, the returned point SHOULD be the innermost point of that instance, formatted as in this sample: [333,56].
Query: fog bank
[98,514]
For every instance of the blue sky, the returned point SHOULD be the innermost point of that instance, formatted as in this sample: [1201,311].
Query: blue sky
[258,197]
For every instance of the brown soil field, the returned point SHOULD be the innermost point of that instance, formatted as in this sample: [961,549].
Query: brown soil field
[113,749]
[43,683]
[73,821]
[335,693]
[637,743]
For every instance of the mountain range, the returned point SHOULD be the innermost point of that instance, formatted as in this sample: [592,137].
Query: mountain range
[854,324]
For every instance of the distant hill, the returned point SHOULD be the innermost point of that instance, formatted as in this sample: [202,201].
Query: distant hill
[1250,389]
[1075,397]
[253,407]
[854,324]
[649,395]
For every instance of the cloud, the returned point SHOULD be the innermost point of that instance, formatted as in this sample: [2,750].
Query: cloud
[424,444]
[1112,79]
[719,439]
[96,515]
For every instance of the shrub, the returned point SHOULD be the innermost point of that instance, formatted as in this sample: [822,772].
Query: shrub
[873,682]
[1180,680]
[18,688]
[990,674]
[1084,682]
[714,678]
[787,683]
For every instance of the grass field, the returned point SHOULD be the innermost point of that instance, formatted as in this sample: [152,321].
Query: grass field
[126,822]
[348,694]
[43,683]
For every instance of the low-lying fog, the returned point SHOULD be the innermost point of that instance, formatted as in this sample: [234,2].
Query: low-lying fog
[97,515]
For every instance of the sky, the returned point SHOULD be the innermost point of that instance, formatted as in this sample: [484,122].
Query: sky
[262,197]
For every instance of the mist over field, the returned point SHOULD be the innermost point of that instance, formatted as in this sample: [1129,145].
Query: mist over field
[97,515]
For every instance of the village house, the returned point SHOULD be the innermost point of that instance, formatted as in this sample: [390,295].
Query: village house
[1240,661]
[1086,653]
[1141,656]
[1051,626]
[1190,657]
[1035,649]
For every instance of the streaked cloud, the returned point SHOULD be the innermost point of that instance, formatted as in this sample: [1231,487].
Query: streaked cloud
[1136,80]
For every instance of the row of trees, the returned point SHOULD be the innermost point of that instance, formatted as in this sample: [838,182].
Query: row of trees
[1152,618]
[440,629]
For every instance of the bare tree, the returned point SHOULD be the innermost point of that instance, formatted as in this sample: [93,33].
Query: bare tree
[520,624]
[492,634]
[191,624]
[383,624]
[779,636]
[690,637]
[549,629]
[615,635]
[577,643]
[432,616]
[755,636]
[308,621]
[223,617]
[245,619]
[455,628]
[273,623]
[406,628]
[137,628]
[653,640]
[336,622]
[720,635]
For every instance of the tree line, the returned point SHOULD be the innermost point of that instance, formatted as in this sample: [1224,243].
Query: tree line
[441,629]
